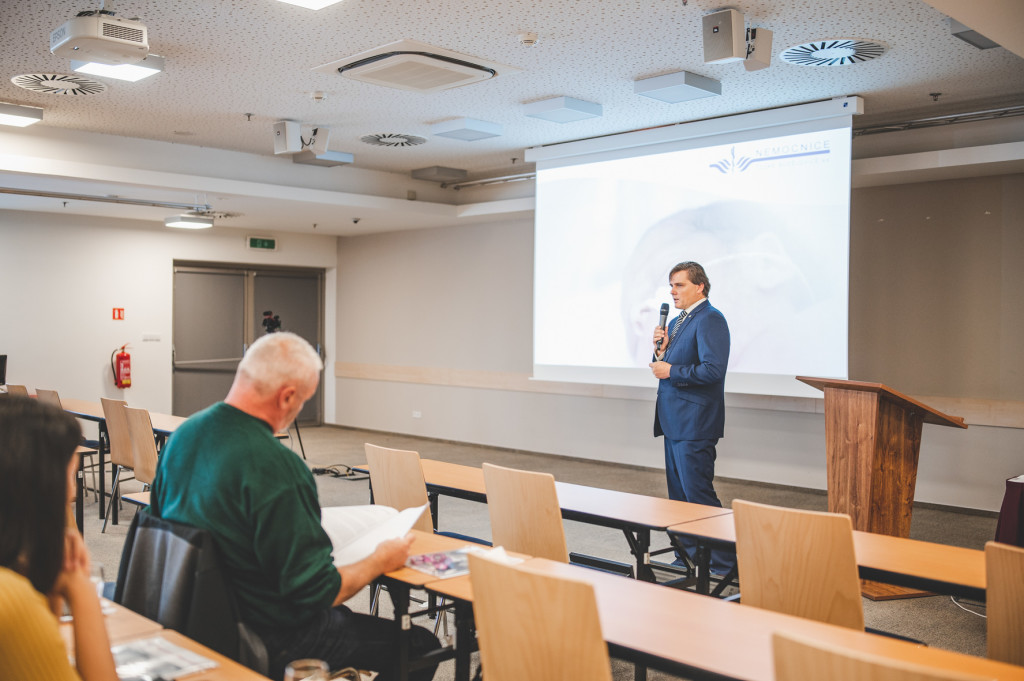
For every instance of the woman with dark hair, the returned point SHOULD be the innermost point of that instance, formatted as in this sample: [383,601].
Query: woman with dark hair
[43,562]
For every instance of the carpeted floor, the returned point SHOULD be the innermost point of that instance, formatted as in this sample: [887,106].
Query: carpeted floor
[935,620]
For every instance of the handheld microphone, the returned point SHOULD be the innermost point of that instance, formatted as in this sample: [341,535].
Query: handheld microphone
[664,321]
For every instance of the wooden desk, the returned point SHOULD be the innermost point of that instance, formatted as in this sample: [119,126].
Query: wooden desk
[164,425]
[683,633]
[894,560]
[635,514]
[400,583]
[124,625]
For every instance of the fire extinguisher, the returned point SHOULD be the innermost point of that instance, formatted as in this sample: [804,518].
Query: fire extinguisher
[121,365]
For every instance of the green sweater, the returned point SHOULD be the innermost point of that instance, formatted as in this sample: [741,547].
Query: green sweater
[223,471]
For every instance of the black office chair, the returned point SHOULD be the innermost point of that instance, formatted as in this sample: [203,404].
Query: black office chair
[172,573]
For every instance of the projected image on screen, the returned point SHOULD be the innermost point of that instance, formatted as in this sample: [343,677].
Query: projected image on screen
[768,219]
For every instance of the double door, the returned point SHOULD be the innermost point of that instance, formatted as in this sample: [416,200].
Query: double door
[219,311]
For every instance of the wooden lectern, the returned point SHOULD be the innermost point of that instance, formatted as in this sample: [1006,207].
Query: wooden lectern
[872,440]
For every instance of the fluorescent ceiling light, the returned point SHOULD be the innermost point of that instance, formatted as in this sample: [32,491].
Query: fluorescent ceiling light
[312,4]
[188,222]
[15,114]
[149,66]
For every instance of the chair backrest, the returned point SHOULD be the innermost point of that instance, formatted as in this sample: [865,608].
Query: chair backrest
[524,510]
[17,390]
[117,431]
[140,428]
[798,562]
[535,626]
[1004,586]
[48,397]
[798,658]
[172,573]
[397,481]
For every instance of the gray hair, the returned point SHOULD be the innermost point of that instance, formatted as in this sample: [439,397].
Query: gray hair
[279,359]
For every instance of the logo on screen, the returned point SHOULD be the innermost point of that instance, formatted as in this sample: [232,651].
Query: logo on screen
[733,165]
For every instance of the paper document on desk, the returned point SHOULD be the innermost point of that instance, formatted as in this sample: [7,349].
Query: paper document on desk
[355,531]
[156,658]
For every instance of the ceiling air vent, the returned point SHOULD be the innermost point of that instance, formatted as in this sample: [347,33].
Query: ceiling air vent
[58,84]
[415,66]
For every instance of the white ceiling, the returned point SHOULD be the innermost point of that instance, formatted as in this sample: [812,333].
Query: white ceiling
[229,58]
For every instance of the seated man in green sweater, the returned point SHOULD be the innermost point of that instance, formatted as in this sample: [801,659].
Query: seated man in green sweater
[224,471]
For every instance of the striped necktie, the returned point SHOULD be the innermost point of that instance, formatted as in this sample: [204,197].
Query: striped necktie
[679,325]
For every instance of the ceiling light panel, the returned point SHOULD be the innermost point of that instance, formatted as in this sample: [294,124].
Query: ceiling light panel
[311,4]
[562,110]
[132,73]
[19,116]
[466,129]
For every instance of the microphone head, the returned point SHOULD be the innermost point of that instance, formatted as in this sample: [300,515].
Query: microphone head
[664,308]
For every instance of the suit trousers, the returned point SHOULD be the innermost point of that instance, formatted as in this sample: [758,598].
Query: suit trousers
[690,472]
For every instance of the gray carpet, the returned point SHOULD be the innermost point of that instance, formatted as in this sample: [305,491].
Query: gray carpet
[935,620]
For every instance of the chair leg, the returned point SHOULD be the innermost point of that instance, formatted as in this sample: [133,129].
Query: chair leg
[442,616]
[375,599]
[114,490]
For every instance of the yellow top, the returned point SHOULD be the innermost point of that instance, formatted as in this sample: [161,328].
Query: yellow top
[30,643]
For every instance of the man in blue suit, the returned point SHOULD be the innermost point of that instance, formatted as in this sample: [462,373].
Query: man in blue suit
[690,359]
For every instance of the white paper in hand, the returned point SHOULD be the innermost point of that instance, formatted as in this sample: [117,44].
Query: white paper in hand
[355,533]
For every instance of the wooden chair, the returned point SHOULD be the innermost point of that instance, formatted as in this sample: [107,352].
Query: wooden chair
[19,390]
[1004,584]
[798,658]
[524,510]
[798,562]
[121,456]
[52,398]
[397,481]
[535,626]
[144,456]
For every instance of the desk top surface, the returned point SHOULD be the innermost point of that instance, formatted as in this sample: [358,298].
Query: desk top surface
[927,560]
[651,619]
[93,411]
[638,509]
[162,423]
[124,625]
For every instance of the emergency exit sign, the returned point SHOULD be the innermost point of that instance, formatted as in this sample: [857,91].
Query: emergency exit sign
[262,243]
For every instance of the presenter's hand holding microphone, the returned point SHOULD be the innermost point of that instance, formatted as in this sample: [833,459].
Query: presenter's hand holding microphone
[661,369]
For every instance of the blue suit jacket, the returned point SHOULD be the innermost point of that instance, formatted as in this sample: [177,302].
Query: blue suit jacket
[691,401]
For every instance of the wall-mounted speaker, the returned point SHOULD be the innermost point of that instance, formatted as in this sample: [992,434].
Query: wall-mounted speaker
[287,139]
[759,49]
[724,37]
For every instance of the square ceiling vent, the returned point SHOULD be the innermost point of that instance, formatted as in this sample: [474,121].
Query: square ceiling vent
[419,67]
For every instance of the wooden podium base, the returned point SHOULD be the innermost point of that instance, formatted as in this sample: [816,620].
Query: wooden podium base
[877,591]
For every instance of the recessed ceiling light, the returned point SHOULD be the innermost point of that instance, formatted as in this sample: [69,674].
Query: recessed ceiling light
[311,4]
[188,222]
[20,116]
[149,66]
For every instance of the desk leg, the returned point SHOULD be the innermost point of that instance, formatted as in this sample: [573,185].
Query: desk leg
[464,639]
[432,498]
[640,547]
[102,452]
[639,672]
[399,593]
[79,494]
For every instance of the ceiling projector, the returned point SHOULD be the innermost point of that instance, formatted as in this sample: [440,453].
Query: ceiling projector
[101,38]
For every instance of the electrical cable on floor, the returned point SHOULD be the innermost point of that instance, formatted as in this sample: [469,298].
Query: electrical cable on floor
[339,470]
[957,604]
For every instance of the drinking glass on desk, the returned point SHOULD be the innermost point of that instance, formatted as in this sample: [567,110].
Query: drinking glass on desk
[306,670]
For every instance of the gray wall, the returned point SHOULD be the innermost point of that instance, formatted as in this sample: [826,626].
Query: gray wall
[935,273]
